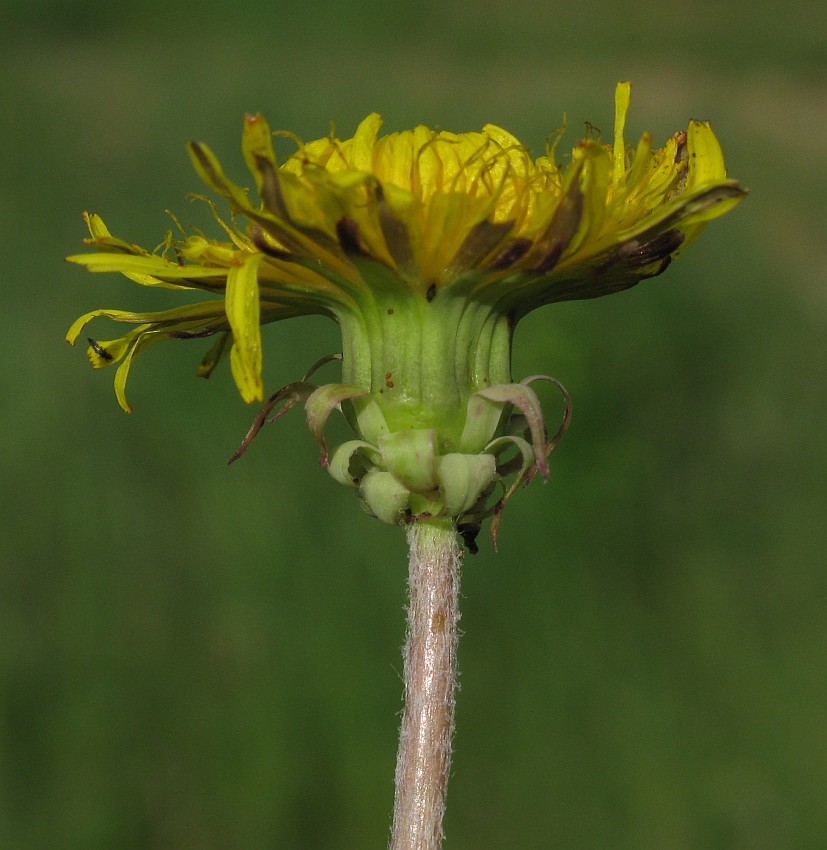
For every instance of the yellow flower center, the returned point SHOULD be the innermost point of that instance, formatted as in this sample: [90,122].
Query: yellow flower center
[439,184]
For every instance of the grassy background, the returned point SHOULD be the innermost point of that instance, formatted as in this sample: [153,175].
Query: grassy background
[199,657]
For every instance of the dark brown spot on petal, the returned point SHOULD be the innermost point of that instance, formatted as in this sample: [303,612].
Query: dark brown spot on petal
[514,251]
[431,293]
[482,239]
[549,260]
[349,236]
[271,195]
[652,251]
[395,233]
[665,263]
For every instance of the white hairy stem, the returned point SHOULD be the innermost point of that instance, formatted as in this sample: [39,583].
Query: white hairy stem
[424,758]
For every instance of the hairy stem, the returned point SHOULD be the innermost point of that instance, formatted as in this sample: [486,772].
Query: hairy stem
[424,758]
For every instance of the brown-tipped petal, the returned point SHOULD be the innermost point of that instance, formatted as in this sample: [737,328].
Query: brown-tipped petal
[550,246]
[483,239]
[396,235]
[636,254]
[271,194]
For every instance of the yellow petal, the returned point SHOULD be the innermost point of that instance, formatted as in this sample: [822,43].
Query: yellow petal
[96,226]
[148,271]
[141,342]
[623,96]
[706,162]
[256,143]
[243,312]
[361,150]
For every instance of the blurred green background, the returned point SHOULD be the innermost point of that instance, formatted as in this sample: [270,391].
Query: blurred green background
[197,656]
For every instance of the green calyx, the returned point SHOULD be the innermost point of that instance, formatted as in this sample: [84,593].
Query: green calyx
[421,352]
[442,432]
[403,475]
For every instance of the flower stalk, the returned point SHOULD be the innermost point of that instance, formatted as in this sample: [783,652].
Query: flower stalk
[425,738]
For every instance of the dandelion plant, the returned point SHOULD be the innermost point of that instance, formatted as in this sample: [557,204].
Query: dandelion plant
[426,248]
